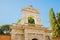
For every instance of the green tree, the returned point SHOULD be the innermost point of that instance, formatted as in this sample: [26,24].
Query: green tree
[53,23]
[1,32]
[58,18]
[5,29]
[58,22]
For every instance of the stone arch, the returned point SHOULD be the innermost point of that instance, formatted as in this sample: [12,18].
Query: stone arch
[34,39]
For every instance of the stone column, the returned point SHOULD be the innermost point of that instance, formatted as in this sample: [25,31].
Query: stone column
[26,34]
[37,20]
[12,35]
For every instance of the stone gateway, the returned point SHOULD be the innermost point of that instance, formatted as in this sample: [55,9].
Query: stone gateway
[30,27]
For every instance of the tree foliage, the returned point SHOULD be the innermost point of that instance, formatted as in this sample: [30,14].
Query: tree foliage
[53,23]
[58,22]
[18,21]
[5,29]
[31,20]
[58,19]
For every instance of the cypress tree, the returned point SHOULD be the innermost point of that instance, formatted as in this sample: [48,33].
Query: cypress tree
[58,22]
[53,23]
[58,19]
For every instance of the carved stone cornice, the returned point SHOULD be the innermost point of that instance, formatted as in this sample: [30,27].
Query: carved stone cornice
[30,9]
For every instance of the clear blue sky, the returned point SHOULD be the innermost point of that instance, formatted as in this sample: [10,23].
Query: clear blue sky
[10,10]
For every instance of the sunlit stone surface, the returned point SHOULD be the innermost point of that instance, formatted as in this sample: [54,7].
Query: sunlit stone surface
[27,31]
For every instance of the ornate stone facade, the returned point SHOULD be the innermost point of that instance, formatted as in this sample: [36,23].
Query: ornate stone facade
[26,31]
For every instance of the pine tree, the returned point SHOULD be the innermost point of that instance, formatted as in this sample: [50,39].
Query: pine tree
[53,23]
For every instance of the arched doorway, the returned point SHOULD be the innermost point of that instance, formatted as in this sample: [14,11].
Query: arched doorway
[34,39]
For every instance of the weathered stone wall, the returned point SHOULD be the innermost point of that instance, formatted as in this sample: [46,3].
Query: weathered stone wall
[19,37]
[33,33]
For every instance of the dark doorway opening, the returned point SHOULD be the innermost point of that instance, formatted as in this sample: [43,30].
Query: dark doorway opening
[34,39]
